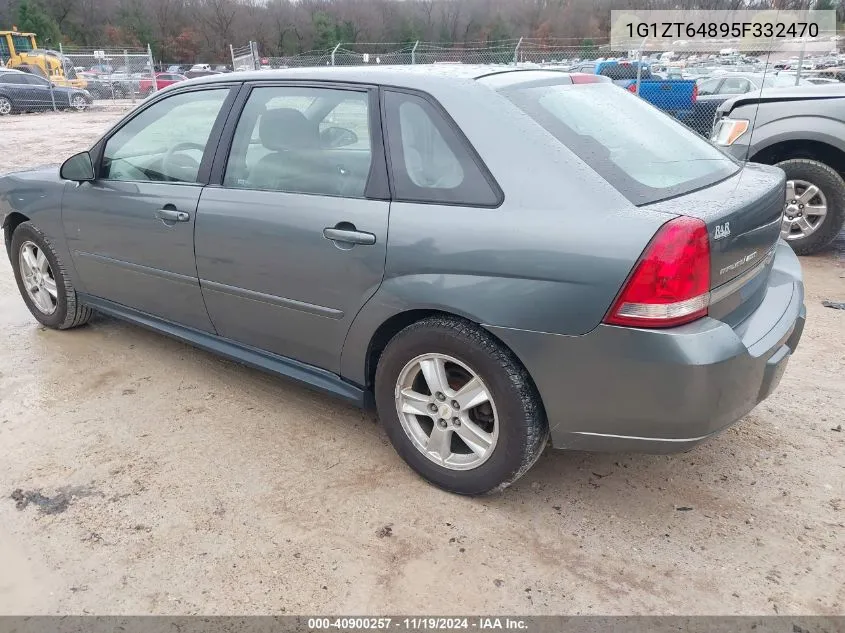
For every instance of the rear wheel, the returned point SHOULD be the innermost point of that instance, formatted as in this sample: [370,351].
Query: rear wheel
[43,283]
[459,407]
[815,205]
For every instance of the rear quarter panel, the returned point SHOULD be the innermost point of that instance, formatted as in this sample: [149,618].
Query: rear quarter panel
[551,258]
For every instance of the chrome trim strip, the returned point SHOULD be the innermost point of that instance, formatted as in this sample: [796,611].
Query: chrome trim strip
[261,297]
[138,268]
[730,287]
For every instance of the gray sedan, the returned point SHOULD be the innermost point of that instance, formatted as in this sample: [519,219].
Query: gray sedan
[493,258]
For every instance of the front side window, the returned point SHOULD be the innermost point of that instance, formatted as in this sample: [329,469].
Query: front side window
[302,140]
[166,141]
[735,86]
[708,86]
[430,161]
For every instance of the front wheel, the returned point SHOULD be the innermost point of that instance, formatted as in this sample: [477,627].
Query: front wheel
[459,407]
[815,205]
[43,283]
[79,103]
[5,106]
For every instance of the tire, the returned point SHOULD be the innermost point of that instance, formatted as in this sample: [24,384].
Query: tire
[520,428]
[832,187]
[78,103]
[69,312]
[6,106]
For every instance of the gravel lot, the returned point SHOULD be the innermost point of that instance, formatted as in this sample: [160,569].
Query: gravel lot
[139,475]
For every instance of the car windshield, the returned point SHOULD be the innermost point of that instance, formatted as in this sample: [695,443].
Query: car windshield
[645,154]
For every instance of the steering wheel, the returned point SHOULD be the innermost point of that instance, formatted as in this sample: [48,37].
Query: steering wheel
[171,165]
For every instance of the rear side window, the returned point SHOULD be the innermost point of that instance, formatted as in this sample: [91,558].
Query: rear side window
[645,154]
[431,162]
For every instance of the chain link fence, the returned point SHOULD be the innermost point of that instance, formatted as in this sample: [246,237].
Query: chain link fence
[118,76]
[687,84]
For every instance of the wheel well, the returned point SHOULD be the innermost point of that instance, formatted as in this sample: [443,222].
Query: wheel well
[387,331]
[13,220]
[813,150]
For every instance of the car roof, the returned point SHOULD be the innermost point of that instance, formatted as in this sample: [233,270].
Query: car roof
[398,76]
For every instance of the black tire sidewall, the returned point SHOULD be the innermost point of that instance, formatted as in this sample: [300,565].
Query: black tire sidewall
[25,233]
[833,187]
[509,454]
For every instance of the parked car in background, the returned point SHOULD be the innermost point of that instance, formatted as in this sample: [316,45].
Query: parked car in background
[163,80]
[178,69]
[100,87]
[25,92]
[713,91]
[802,131]
[490,317]
[675,96]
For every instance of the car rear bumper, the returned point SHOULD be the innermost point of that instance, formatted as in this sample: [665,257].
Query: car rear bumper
[626,389]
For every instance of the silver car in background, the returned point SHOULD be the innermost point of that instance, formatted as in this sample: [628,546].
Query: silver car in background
[493,257]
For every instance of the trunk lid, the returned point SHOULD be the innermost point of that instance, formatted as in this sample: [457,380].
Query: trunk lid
[743,216]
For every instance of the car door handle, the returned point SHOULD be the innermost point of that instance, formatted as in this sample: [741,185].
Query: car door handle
[348,235]
[172,215]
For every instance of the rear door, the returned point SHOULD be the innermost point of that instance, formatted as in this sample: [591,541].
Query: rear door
[291,241]
[39,93]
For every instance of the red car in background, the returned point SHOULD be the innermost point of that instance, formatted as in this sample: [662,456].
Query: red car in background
[146,88]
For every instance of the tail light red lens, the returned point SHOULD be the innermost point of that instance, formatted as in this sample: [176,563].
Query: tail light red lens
[633,88]
[670,285]
[584,78]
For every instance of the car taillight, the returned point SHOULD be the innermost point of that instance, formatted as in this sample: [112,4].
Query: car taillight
[670,284]
[584,78]
[633,88]
[694,93]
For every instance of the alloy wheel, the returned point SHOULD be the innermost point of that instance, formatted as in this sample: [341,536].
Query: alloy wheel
[38,279]
[5,106]
[78,103]
[805,210]
[447,411]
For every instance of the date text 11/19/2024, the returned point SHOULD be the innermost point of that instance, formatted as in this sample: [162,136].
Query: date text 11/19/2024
[417,624]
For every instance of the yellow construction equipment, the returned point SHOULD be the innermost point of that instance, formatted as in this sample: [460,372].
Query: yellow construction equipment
[20,50]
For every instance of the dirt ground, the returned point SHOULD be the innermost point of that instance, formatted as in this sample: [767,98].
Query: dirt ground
[140,475]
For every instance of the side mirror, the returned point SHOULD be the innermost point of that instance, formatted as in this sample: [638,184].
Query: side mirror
[79,168]
[335,137]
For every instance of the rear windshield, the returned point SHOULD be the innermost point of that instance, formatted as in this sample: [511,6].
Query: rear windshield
[617,72]
[643,153]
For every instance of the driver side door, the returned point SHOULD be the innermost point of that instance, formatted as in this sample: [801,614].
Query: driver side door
[131,231]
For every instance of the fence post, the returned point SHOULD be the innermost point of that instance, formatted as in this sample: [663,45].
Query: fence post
[414,52]
[128,74]
[639,69]
[516,52]
[50,79]
[800,62]
[232,53]
[256,61]
[640,64]
[334,51]
[152,69]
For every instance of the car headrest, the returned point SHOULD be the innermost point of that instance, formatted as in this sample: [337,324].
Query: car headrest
[285,129]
